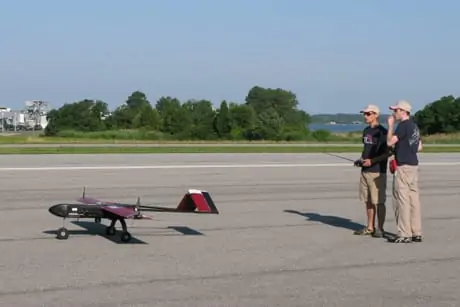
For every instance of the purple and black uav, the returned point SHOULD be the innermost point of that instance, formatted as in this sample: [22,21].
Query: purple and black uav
[194,201]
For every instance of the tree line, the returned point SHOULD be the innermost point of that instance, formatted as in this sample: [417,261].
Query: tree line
[266,114]
[440,116]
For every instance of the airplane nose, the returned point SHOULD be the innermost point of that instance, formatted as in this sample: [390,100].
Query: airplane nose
[59,210]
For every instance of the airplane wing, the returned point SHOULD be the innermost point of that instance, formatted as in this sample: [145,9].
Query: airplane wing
[124,212]
[94,201]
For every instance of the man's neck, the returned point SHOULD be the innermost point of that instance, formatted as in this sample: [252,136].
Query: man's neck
[405,118]
[374,124]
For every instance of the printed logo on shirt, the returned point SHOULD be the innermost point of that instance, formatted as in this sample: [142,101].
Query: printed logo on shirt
[368,139]
[415,137]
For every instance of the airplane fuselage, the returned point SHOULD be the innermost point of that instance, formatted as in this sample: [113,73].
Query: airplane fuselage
[79,211]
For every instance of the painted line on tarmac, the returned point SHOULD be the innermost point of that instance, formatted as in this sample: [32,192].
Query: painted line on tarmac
[198,166]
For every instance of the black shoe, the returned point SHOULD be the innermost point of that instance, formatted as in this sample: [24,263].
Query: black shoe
[417,239]
[378,233]
[398,239]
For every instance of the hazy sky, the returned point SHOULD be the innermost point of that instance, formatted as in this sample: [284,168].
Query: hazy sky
[337,56]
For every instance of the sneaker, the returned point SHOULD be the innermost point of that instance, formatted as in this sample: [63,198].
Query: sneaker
[417,239]
[378,233]
[398,239]
[364,232]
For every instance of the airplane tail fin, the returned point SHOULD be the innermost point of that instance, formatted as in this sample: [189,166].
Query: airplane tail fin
[197,200]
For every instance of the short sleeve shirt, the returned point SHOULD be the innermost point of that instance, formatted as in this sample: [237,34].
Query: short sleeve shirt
[375,144]
[406,148]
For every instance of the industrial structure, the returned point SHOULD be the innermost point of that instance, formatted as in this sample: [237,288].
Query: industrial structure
[32,117]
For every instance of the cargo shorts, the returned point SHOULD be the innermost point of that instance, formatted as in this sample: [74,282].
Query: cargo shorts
[372,187]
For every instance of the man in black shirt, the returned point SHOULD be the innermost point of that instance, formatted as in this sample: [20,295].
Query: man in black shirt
[407,143]
[373,180]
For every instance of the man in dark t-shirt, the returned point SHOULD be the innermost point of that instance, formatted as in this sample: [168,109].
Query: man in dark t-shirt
[407,143]
[373,179]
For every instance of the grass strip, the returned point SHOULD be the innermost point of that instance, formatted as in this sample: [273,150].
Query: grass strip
[133,137]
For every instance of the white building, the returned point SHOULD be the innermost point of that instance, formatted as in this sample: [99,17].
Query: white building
[33,117]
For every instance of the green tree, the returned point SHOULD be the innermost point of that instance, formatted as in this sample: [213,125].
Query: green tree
[137,100]
[278,116]
[269,125]
[121,118]
[271,114]
[52,128]
[147,118]
[223,121]
[137,112]
[201,115]
[85,115]
[174,119]
[440,116]
[296,127]
[243,121]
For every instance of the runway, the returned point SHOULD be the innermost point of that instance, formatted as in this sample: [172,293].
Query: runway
[283,236]
[198,144]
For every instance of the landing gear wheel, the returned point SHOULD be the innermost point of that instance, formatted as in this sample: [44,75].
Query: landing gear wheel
[97,220]
[110,230]
[125,237]
[62,233]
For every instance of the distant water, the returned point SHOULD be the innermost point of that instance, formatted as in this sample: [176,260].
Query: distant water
[338,127]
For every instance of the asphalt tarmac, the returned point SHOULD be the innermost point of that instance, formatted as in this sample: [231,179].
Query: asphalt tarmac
[283,236]
[220,144]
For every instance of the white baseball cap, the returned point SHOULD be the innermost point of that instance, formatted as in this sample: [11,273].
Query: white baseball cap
[371,108]
[403,105]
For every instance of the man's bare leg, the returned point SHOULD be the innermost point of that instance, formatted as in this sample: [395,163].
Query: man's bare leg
[370,216]
[370,228]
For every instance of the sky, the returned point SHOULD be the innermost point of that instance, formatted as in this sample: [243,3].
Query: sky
[336,56]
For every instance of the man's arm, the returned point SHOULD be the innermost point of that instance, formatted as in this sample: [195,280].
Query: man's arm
[383,147]
[391,138]
[358,162]
[420,146]
[399,133]
[363,152]
[385,155]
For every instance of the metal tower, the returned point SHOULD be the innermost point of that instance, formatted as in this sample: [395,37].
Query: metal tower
[35,109]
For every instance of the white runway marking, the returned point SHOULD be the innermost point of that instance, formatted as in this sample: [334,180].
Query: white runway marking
[196,166]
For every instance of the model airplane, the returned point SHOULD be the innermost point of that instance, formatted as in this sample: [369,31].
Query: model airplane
[194,201]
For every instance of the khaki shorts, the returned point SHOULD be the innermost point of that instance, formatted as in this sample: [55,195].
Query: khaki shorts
[372,188]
